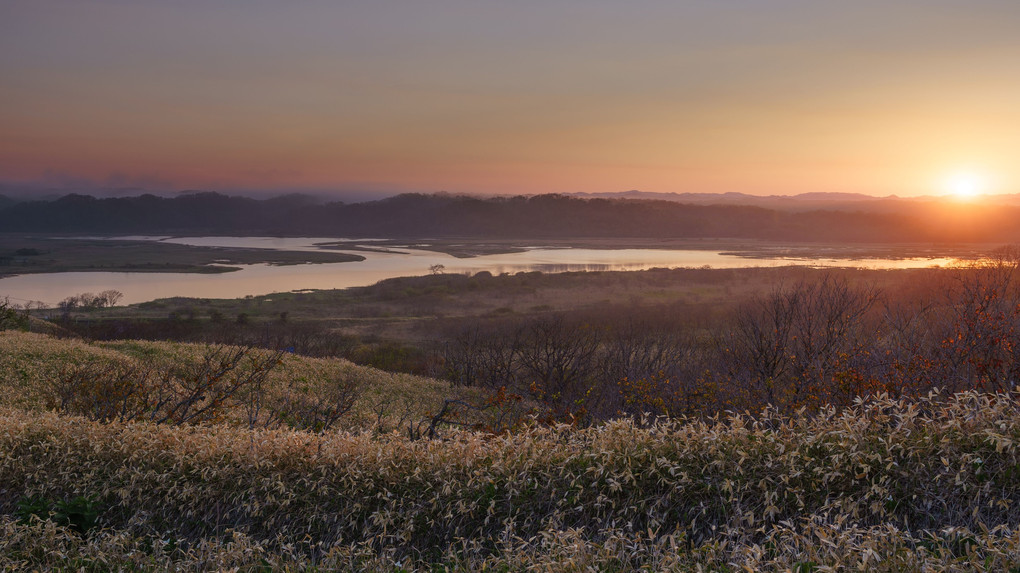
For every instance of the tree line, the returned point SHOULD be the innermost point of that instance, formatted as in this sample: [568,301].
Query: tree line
[541,216]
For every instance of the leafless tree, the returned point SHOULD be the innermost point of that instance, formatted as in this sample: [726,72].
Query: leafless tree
[788,345]
[319,410]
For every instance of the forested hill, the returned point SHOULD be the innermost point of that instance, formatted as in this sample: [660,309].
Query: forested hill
[542,216]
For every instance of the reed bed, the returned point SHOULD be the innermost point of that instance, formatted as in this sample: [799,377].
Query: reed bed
[931,484]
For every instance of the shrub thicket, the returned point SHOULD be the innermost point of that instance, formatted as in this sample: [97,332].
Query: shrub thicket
[809,344]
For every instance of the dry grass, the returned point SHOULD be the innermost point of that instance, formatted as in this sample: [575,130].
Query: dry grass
[884,485]
[31,363]
[786,547]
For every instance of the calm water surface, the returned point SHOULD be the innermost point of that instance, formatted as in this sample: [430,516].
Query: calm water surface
[265,279]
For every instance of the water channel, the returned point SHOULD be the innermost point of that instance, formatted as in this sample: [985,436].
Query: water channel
[260,279]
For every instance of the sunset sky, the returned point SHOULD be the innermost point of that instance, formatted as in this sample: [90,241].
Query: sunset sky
[755,96]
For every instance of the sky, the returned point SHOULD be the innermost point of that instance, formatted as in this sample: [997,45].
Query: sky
[882,97]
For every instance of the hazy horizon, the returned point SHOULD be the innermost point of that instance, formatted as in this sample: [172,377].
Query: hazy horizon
[910,98]
[36,191]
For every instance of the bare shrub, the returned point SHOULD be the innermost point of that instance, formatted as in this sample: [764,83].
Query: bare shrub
[180,394]
[201,392]
[791,347]
[963,332]
[986,305]
[102,391]
[317,410]
[657,364]
[483,356]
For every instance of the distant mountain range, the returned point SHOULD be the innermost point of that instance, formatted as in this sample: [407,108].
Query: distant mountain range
[10,194]
[728,198]
[39,192]
[798,202]
[415,215]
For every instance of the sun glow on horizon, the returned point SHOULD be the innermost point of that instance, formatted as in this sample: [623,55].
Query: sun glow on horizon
[966,185]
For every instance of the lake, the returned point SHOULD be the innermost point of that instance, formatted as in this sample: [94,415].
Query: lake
[52,288]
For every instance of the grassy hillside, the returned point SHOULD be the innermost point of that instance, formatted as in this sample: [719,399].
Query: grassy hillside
[932,484]
[31,366]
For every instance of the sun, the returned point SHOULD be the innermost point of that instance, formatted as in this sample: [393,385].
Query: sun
[965,185]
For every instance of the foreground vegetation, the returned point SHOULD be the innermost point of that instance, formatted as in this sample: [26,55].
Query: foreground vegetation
[885,484]
[717,421]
